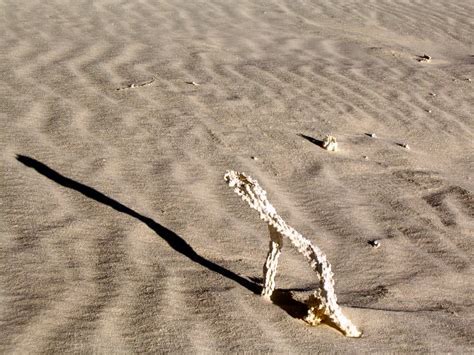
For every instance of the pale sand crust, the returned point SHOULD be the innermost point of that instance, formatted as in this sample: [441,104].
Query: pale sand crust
[118,234]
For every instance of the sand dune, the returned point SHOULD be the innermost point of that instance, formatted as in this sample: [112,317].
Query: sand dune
[119,234]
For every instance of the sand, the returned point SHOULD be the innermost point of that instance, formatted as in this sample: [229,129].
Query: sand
[119,120]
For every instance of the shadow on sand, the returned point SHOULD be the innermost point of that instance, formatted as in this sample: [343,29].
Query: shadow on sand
[281,298]
[315,141]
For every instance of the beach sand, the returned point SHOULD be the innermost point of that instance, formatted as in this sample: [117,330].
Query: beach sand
[120,119]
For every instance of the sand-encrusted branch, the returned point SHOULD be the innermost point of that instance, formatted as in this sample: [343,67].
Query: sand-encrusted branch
[323,303]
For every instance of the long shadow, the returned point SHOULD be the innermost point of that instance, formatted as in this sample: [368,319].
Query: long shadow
[315,141]
[282,298]
[174,241]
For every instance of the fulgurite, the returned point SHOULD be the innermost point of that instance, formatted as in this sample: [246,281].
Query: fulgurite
[322,304]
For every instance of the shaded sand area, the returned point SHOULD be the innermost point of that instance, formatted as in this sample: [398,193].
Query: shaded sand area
[120,118]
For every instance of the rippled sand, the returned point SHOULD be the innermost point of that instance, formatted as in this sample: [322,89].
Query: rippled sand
[119,120]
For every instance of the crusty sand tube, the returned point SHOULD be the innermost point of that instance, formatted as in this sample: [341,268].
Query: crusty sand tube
[323,303]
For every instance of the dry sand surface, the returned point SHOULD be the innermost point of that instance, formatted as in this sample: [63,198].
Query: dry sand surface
[120,118]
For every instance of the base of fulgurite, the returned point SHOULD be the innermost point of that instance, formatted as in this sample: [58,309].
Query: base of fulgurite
[322,304]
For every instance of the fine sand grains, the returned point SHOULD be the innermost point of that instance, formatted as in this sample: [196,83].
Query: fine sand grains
[120,118]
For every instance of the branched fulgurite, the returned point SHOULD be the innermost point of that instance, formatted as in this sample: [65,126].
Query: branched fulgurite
[323,303]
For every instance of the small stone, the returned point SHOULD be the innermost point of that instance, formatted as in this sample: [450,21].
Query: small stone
[468,79]
[366,157]
[192,83]
[254,158]
[424,58]
[373,135]
[375,243]
[406,146]
[432,94]
[429,111]
[329,143]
